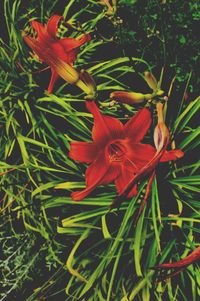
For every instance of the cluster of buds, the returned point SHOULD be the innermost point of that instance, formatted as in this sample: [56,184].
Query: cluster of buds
[133,98]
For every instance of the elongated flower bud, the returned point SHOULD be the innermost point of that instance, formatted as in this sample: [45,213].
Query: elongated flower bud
[161,132]
[161,136]
[151,80]
[89,82]
[128,97]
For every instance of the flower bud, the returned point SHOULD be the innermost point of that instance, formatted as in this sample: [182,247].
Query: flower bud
[161,136]
[89,82]
[160,92]
[128,97]
[151,80]
[161,132]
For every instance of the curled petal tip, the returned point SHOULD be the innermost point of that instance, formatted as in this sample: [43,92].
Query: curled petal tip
[179,153]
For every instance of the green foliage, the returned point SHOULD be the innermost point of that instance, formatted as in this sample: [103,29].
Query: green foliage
[52,247]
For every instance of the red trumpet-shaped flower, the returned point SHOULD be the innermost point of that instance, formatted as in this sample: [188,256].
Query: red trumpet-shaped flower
[116,153]
[46,42]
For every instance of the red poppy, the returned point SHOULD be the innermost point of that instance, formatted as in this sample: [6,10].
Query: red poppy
[116,153]
[64,49]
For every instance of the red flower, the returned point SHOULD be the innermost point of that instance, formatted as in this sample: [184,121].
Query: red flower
[64,49]
[116,153]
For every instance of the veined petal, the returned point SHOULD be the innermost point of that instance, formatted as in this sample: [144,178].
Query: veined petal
[105,127]
[52,25]
[139,154]
[58,49]
[64,70]
[138,125]
[39,28]
[145,170]
[123,179]
[85,152]
[35,46]
[100,172]
[72,43]
[54,77]
[172,155]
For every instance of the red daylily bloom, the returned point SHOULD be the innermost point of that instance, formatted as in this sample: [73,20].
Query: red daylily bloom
[116,153]
[64,49]
[161,140]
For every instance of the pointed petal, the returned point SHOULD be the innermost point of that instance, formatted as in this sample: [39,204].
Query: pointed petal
[39,28]
[100,172]
[138,125]
[58,49]
[72,43]
[105,127]
[85,152]
[172,155]
[123,179]
[139,154]
[54,77]
[35,46]
[52,25]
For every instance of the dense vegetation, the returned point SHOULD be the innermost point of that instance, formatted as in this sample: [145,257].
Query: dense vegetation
[53,248]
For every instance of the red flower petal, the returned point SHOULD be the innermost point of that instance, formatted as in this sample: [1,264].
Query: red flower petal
[172,155]
[39,28]
[35,46]
[54,77]
[85,152]
[123,179]
[137,156]
[72,43]
[138,125]
[98,173]
[52,25]
[105,127]
[140,154]
[61,53]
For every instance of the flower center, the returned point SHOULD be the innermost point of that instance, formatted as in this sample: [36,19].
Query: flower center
[116,152]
